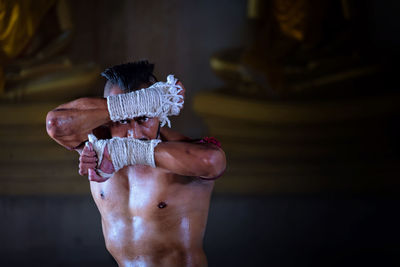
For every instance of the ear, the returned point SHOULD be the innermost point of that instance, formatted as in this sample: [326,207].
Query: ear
[182,93]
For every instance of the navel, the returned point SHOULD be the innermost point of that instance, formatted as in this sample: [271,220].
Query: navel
[102,194]
[161,205]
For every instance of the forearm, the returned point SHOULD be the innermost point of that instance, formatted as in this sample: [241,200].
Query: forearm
[203,160]
[70,123]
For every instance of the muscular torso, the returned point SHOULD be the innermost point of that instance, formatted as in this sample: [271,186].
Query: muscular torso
[151,217]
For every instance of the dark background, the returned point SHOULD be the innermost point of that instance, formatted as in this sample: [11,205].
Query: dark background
[324,219]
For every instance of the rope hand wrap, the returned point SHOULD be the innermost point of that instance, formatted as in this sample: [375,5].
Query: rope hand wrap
[124,151]
[159,100]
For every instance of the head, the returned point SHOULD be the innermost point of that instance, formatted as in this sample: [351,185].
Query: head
[126,78]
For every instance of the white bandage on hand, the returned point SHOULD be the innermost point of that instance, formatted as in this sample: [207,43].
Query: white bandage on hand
[160,100]
[124,152]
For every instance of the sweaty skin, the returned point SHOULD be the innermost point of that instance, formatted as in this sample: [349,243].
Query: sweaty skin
[150,216]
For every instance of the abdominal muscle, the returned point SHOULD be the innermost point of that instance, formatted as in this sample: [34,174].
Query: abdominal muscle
[153,218]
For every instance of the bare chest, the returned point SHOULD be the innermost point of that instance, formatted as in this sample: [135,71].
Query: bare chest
[145,191]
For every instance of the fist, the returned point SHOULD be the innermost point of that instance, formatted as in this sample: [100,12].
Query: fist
[88,162]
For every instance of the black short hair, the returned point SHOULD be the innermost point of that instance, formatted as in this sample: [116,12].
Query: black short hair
[130,76]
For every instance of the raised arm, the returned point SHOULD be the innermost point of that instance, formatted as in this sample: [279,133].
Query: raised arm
[190,159]
[70,123]
[180,156]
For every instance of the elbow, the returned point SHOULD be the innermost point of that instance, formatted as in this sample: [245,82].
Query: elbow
[59,130]
[55,125]
[52,124]
[214,163]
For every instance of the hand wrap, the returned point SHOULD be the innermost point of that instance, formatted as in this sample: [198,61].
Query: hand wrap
[124,151]
[159,100]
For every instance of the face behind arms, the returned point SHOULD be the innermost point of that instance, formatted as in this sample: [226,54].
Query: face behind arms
[143,128]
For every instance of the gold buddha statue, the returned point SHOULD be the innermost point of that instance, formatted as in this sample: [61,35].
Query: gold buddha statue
[33,36]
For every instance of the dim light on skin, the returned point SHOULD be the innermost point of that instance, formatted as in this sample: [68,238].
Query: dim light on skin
[137,224]
[160,213]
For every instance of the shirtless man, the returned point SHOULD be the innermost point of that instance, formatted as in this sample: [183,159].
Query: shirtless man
[151,216]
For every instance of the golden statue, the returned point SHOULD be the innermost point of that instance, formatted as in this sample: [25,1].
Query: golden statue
[33,34]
